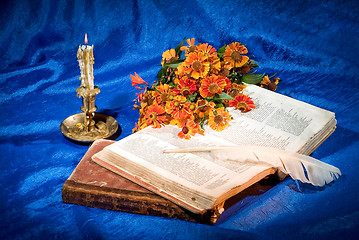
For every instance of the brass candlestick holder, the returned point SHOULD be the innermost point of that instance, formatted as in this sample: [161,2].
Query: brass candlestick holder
[88,126]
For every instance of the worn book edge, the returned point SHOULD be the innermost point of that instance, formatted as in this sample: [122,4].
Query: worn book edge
[176,200]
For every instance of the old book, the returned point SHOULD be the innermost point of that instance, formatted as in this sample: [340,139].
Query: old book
[94,186]
[197,181]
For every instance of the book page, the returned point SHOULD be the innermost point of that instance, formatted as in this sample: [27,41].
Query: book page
[278,121]
[198,178]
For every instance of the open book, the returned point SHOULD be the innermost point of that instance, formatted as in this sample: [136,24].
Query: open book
[198,181]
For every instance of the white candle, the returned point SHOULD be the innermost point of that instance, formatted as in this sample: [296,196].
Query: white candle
[86,61]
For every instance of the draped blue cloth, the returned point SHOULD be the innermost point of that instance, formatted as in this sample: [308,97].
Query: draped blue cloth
[312,45]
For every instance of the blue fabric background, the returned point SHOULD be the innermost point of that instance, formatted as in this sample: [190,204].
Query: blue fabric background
[312,45]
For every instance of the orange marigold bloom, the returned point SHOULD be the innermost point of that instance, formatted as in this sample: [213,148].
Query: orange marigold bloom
[204,107]
[233,57]
[169,56]
[243,103]
[189,128]
[136,80]
[211,53]
[148,99]
[164,93]
[212,85]
[176,107]
[208,49]
[224,71]
[236,89]
[180,72]
[190,48]
[267,83]
[219,119]
[155,116]
[196,65]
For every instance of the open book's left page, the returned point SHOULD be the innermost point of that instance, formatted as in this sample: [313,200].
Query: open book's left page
[195,181]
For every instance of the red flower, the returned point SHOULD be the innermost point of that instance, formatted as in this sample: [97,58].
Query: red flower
[243,103]
[185,87]
[136,80]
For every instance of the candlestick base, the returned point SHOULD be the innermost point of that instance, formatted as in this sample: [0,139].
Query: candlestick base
[73,127]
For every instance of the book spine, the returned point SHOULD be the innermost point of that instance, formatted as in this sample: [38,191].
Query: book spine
[125,201]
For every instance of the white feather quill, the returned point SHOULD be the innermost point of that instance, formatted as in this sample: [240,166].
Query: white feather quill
[300,167]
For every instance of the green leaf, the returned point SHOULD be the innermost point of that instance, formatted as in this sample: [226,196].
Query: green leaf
[178,48]
[253,78]
[219,105]
[235,77]
[225,96]
[175,63]
[221,51]
[192,97]
[272,75]
[160,74]
[201,123]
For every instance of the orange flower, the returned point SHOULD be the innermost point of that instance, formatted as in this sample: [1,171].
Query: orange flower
[267,83]
[148,99]
[136,80]
[190,128]
[208,49]
[176,107]
[219,119]
[164,94]
[190,48]
[169,56]
[211,53]
[232,55]
[243,103]
[155,116]
[204,107]
[196,65]
[180,72]
[224,71]
[236,89]
[211,86]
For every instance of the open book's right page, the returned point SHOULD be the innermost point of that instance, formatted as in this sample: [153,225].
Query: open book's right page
[278,121]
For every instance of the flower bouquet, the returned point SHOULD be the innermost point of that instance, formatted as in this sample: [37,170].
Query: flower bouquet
[197,89]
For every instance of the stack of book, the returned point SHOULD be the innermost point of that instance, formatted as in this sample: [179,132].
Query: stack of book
[135,175]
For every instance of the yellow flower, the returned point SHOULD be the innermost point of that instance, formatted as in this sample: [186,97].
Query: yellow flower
[219,119]
[169,56]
